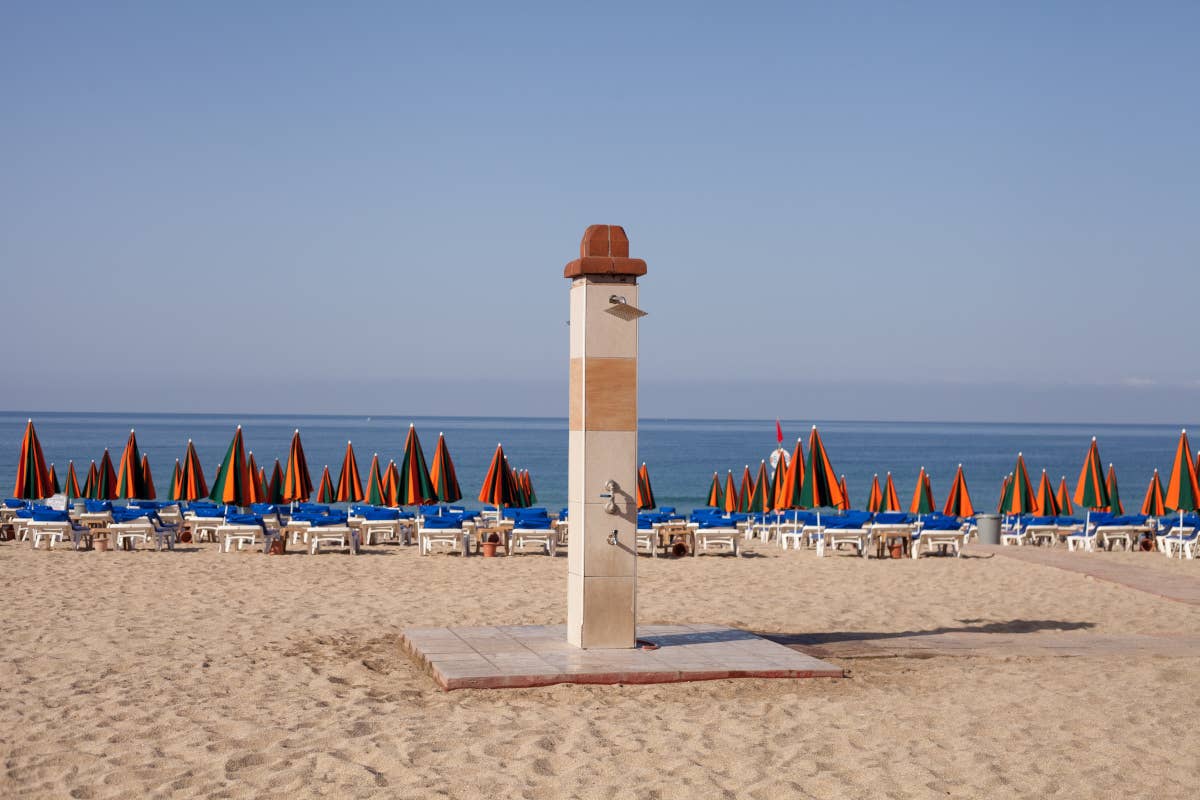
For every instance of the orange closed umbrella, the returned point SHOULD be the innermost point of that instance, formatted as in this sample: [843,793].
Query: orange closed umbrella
[891,501]
[442,474]
[106,482]
[52,477]
[130,485]
[731,495]
[374,495]
[1019,498]
[147,480]
[1091,492]
[1064,498]
[297,484]
[275,485]
[258,482]
[33,479]
[746,490]
[845,504]
[391,485]
[875,497]
[326,493]
[645,492]
[499,489]
[715,497]
[192,485]
[1045,501]
[794,478]
[349,486]
[958,502]
[71,487]
[233,483]
[922,499]
[1153,505]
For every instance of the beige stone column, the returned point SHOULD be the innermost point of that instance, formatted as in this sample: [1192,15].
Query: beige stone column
[601,492]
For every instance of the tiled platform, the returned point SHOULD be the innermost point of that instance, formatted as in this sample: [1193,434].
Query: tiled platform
[538,655]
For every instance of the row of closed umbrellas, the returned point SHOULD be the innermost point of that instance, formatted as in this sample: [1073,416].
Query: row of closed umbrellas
[240,481]
[812,483]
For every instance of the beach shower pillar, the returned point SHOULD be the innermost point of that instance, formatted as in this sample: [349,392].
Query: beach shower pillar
[602,475]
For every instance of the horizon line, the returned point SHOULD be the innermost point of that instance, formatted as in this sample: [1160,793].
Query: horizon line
[331,415]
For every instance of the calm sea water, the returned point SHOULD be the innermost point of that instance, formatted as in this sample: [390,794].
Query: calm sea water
[681,454]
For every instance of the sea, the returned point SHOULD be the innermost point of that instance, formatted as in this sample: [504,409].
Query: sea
[681,454]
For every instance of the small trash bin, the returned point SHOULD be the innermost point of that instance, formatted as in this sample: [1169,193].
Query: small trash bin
[989,528]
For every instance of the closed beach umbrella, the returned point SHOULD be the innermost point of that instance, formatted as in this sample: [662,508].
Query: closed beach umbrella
[527,485]
[106,481]
[958,501]
[257,486]
[794,478]
[442,474]
[875,496]
[90,482]
[192,485]
[1064,498]
[845,505]
[1019,498]
[1154,505]
[173,489]
[779,483]
[52,478]
[1090,491]
[1045,502]
[821,486]
[233,483]
[275,485]
[297,484]
[714,498]
[147,479]
[375,495]
[71,487]
[391,485]
[745,490]
[731,495]
[1182,492]
[922,500]
[498,488]
[891,500]
[326,493]
[1114,494]
[349,485]
[130,484]
[760,495]
[645,492]
[33,479]
[416,487]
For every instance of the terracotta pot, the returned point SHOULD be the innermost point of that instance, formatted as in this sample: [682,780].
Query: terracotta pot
[278,546]
[488,549]
[185,537]
[679,549]
[101,543]
[897,550]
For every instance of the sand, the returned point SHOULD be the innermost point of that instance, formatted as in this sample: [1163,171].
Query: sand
[199,674]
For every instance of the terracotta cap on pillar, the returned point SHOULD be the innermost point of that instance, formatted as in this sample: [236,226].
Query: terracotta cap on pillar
[604,251]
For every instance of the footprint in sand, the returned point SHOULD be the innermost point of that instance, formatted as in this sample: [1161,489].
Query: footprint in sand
[235,765]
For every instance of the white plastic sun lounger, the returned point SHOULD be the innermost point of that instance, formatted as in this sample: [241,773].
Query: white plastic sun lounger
[718,537]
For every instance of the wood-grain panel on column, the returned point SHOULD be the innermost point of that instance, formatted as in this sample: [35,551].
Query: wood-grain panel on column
[610,394]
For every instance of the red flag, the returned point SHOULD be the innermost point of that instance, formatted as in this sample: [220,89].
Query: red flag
[778,432]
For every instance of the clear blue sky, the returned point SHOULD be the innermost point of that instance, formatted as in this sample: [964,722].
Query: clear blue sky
[914,211]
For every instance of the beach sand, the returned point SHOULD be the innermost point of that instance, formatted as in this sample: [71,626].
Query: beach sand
[198,674]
